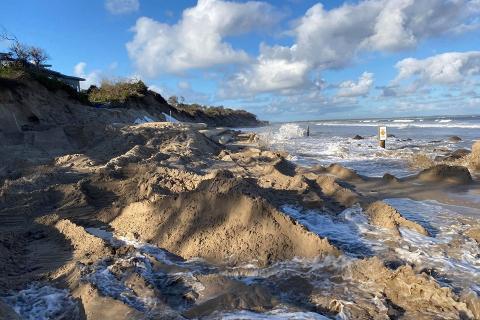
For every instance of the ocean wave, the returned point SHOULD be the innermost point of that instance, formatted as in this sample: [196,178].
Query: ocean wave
[403,120]
[404,125]
[289,131]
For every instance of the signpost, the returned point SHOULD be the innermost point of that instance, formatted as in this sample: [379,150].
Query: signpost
[382,136]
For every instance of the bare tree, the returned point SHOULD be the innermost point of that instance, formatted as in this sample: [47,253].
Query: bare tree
[5,36]
[173,101]
[20,51]
[38,55]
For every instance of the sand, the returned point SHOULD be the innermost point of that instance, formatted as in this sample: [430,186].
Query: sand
[216,195]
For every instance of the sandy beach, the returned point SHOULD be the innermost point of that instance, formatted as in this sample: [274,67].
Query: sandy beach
[160,220]
[240,160]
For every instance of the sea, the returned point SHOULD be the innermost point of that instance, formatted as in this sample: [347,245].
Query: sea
[333,141]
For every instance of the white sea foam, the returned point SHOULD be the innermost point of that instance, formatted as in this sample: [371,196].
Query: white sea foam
[452,255]
[43,302]
[400,125]
[289,131]
[276,314]
[343,230]
[448,251]
[404,120]
[362,155]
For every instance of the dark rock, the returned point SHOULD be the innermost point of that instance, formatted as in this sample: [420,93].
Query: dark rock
[452,156]
[358,137]
[457,154]
[454,139]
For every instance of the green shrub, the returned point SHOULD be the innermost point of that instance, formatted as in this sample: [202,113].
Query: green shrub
[116,92]
[11,71]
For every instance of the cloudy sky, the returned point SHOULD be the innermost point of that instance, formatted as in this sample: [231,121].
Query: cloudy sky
[283,60]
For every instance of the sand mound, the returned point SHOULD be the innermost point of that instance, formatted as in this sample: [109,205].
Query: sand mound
[472,301]
[228,295]
[446,173]
[474,233]
[390,178]
[96,306]
[331,188]
[85,246]
[475,156]
[409,295]
[224,220]
[285,167]
[385,216]
[342,172]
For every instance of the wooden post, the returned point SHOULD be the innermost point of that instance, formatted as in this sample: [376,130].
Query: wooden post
[308,131]
[382,136]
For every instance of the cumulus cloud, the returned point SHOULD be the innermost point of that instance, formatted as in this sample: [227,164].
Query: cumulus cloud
[331,39]
[350,89]
[198,39]
[442,69]
[122,6]
[183,85]
[275,69]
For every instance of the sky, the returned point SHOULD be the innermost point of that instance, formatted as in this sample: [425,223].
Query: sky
[283,60]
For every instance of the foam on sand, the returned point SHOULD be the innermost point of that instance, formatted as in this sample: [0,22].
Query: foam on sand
[277,314]
[43,302]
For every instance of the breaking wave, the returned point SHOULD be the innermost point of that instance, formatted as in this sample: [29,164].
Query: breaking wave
[289,131]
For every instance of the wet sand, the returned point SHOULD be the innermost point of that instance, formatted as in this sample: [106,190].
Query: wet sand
[169,221]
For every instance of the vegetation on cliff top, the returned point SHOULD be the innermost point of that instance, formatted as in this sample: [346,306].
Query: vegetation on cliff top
[116,91]
[25,62]
[195,109]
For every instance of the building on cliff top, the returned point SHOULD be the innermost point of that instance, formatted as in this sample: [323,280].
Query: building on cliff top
[74,82]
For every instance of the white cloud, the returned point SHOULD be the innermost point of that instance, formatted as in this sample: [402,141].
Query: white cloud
[442,69]
[183,85]
[91,78]
[348,89]
[197,40]
[275,69]
[122,6]
[331,39]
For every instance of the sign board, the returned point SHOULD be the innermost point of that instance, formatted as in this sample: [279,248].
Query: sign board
[382,133]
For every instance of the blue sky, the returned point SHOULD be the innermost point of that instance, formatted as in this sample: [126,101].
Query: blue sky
[283,60]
